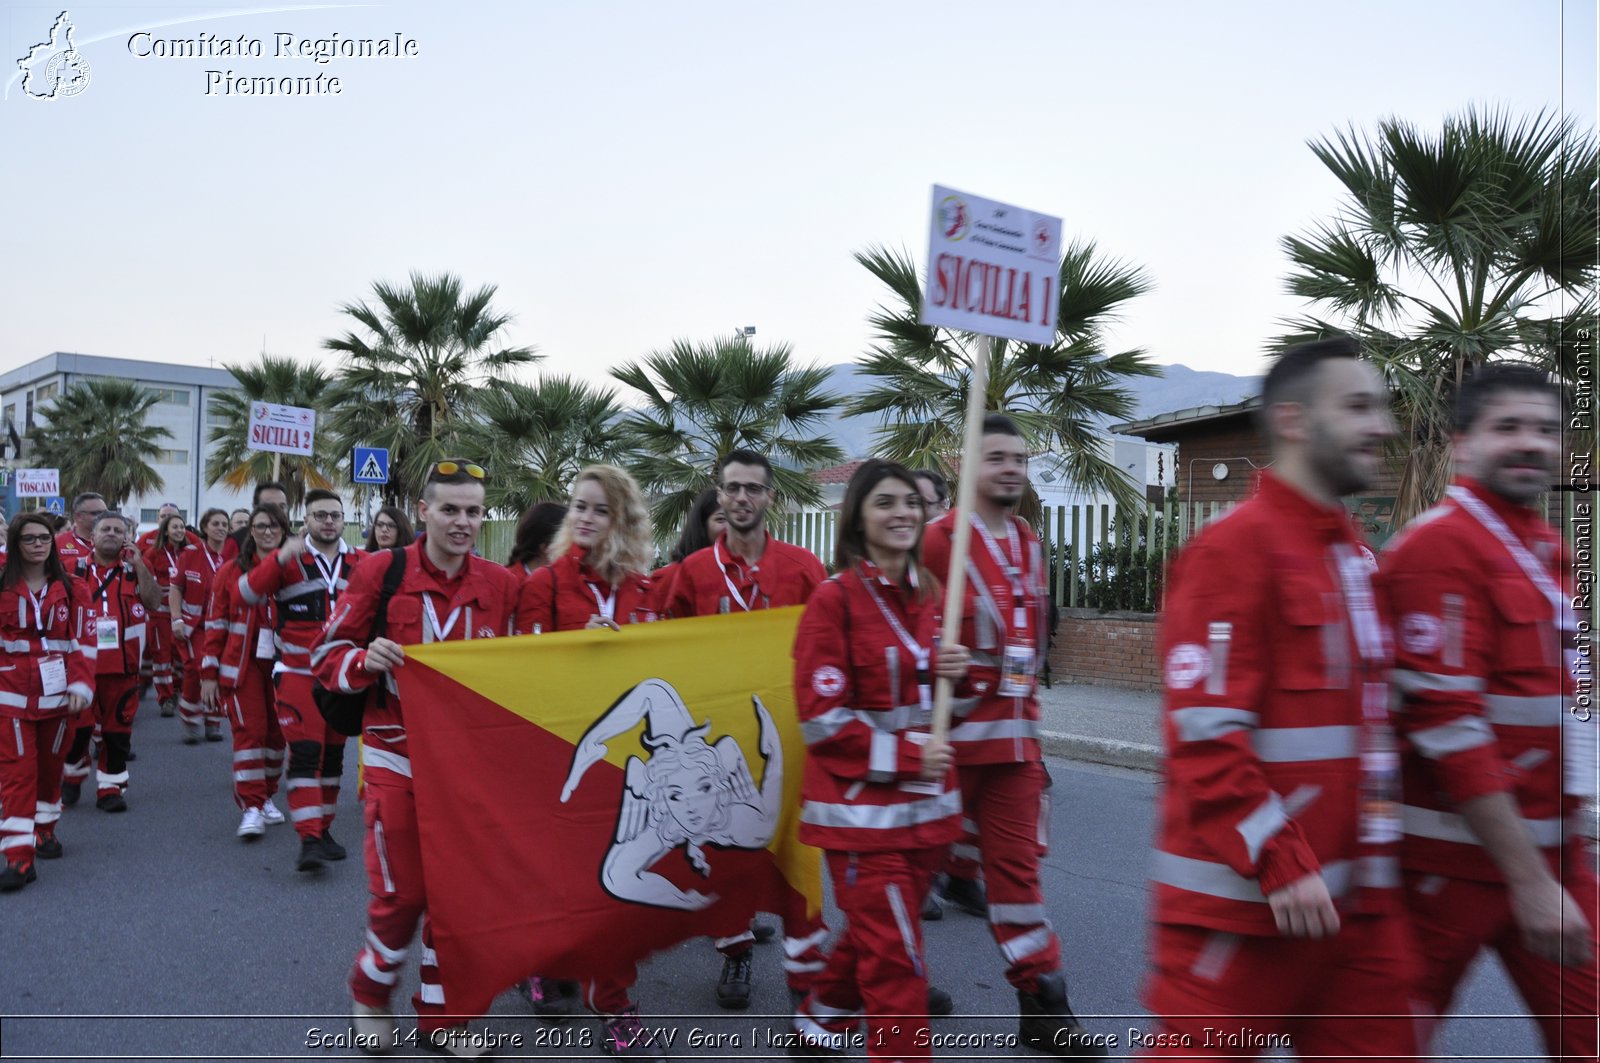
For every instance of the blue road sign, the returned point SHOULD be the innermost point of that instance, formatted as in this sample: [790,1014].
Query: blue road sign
[55,505]
[371,465]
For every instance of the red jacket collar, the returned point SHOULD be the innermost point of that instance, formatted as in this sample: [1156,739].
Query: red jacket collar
[1519,518]
[1331,522]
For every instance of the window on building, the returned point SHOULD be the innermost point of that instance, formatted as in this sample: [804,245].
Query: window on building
[172,457]
[11,415]
[46,392]
[150,516]
[171,396]
[30,411]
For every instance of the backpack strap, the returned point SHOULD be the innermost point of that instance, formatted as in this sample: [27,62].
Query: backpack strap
[391,583]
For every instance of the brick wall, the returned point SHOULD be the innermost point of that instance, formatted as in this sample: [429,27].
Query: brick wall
[1112,649]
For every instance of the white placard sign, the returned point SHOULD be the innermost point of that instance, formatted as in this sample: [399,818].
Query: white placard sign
[282,429]
[38,483]
[992,268]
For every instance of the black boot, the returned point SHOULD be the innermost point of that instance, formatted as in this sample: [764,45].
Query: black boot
[966,894]
[733,988]
[1048,1025]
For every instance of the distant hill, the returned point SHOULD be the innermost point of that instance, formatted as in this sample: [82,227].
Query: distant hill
[1180,388]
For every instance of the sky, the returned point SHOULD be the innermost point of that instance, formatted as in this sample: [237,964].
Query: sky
[630,173]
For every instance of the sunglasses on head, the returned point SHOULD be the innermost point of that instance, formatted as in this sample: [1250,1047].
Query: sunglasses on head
[450,468]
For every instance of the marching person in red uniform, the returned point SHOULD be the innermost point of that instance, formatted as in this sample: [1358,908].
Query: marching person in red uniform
[703,526]
[151,537]
[878,794]
[390,528]
[77,542]
[535,532]
[161,557]
[1275,877]
[44,676]
[186,602]
[446,594]
[118,594]
[237,657]
[267,493]
[745,569]
[1004,785]
[597,580]
[306,576]
[1497,758]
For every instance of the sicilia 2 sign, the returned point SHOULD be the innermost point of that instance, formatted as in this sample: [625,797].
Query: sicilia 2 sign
[992,268]
[282,429]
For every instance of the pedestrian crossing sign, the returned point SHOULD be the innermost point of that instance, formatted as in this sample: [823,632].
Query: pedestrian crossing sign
[371,465]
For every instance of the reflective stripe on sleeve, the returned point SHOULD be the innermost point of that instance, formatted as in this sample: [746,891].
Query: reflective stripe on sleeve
[1207,723]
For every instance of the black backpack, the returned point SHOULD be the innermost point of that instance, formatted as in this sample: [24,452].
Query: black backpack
[344,712]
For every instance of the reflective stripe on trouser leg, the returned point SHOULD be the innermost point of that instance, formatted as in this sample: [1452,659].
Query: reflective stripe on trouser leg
[1006,801]
[305,787]
[396,900]
[18,786]
[254,720]
[75,768]
[804,935]
[332,769]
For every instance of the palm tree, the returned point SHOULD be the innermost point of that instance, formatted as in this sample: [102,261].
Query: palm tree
[539,436]
[1058,394]
[287,382]
[701,401]
[99,436]
[1448,251]
[413,380]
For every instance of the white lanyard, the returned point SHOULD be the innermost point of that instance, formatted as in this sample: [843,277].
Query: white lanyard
[172,560]
[38,606]
[722,567]
[330,573]
[918,652]
[1564,618]
[607,606]
[439,634]
[214,560]
[1355,576]
[1013,570]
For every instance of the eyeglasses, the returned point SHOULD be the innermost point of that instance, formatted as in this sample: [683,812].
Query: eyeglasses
[733,490]
[387,525]
[33,540]
[450,468]
[88,512]
[328,514]
[263,527]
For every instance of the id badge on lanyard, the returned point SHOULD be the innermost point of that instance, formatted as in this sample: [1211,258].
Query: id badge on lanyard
[107,632]
[924,663]
[1019,661]
[1380,755]
[52,675]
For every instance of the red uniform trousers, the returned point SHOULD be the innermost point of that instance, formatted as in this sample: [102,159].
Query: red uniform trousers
[316,755]
[804,935]
[258,748]
[1453,918]
[397,904]
[190,710]
[31,755]
[876,964]
[1233,996]
[159,652]
[116,700]
[1008,804]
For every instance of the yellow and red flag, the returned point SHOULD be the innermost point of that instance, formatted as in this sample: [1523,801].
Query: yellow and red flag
[587,798]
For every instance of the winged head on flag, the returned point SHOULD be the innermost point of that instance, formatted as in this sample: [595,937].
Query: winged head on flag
[686,792]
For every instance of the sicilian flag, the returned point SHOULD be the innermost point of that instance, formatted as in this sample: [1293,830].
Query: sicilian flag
[590,797]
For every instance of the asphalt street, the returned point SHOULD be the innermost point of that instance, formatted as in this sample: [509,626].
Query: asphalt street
[161,936]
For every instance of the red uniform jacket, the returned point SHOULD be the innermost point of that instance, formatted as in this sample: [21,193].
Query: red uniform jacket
[196,567]
[111,593]
[33,631]
[999,728]
[1274,682]
[479,603]
[1480,663]
[865,717]
[148,539]
[564,594]
[73,549]
[234,629]
[715,580]
[162,561]
[304,599]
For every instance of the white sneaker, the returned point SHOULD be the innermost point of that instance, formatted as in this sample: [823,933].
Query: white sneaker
[270,813]
[374,1029]
[251,824]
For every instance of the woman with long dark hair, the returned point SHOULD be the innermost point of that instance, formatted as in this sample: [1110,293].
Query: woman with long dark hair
[535,532]
[236,674]
[198,565]
[390,528]
[879,795]
[161,557]
[701,528]
[44,677]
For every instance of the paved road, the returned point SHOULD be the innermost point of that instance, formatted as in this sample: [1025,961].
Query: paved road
[160,936]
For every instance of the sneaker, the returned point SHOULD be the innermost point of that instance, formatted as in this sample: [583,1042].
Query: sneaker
[169,707]
[310,854]
[623,1035]
[251,825]
[191,732]
[270,814]
[1046,1022]
[733,988]
[46,846]
[932,909]
[553,1000]
[968,895]
[17,875]
[373,1029]
[331,850]
[112,802]
[940,1002]
[213,731]
[70,792]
